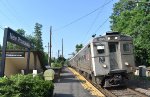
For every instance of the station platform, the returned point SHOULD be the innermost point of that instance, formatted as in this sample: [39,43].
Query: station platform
[69,85]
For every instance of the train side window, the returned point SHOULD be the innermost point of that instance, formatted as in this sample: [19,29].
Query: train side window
[126,47]
[101,49]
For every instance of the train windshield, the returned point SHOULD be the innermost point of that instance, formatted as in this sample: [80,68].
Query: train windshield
[100,49]
[126,47]
[112,47]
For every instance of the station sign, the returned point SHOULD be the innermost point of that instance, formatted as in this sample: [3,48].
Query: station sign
[13,37]
[16,38]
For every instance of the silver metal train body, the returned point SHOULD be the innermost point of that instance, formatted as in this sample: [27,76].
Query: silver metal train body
[106,60]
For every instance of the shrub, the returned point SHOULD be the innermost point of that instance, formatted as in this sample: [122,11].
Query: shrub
[25,86]
[56,64]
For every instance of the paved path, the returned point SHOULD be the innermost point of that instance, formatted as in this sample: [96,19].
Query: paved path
[69,86]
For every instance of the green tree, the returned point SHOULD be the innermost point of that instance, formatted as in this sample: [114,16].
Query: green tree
[133,19]
[21,32]
[38,37]
[13,46]
[78,47]
[61,60]
[10,46]
[32,40]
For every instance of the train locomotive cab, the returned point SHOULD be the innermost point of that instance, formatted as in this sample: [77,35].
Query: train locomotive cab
[106,60]
[116,74]
[120,56]
[115,59]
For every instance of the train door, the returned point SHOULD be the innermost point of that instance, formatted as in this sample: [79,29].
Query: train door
[113,52]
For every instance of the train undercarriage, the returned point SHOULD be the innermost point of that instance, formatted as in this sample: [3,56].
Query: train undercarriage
[113,79]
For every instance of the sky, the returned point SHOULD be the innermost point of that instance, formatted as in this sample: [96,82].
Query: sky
[74,21]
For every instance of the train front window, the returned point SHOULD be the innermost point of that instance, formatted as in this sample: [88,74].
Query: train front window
[112,47]
[126,47]
[100,49]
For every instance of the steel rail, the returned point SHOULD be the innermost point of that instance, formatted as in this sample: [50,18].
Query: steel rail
[124,92]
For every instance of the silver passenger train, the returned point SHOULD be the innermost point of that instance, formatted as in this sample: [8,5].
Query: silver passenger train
[107,60]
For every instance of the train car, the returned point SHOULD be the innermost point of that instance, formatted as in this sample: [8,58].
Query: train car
[106,60]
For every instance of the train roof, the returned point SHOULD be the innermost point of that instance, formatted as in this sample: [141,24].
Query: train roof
[120,37]
[110,33]
[80,50]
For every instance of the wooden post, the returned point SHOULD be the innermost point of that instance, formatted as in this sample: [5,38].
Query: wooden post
[62,48]
[2,65]
[50,44]
[28,61]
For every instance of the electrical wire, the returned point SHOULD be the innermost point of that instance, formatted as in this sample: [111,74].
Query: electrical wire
[86,16]
[1,27]
[14,13]
[101,25]
[93,23]
[91,26]
[83,41]
[78,19]
[105,22]
[6,16]
[9,10]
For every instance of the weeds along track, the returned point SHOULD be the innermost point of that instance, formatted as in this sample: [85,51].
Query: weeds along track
[117,91]
[125,92]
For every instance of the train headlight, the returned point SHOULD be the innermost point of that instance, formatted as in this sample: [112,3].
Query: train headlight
[126,63]
[112,38]
[116,37]
[104,65]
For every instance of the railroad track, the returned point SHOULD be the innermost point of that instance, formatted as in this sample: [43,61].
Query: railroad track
[127,92]
[119,92]
[116,92]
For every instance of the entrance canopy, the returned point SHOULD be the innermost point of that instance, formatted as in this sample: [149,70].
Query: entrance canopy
[13,37]
[16,62]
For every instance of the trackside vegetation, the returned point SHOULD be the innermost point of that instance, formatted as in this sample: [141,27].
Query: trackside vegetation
[58,63]
[133,18]
[25,86]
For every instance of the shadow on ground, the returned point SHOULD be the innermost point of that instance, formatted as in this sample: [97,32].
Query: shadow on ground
[63,95]
[66,77]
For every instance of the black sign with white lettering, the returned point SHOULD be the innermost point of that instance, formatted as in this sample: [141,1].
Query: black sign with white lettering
[18,39]
[15,54]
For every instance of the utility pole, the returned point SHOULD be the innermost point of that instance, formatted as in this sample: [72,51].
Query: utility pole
[62,48]
[50,44]
[58,53]
[48,51]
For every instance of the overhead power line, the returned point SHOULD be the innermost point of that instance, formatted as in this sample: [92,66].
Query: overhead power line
[9,9]
[97,16]
[101,25]
[1,12]
[78,19]
[93,24]
[1,27]
[13,13]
